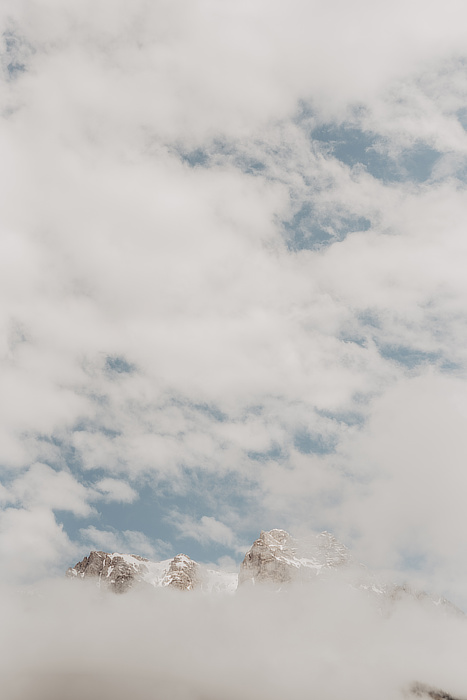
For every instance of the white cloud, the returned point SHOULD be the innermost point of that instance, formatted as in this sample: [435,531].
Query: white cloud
[254,645]
[116,490]
[113,245]
[412,459]
[43,487]
[32,545]
[126,542]
[207,529]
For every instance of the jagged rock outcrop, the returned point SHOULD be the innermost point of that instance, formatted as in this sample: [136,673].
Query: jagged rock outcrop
[420,690]
[123,571]
[270,559]
[120,572]
[275,557]
[113,570]
[182,573]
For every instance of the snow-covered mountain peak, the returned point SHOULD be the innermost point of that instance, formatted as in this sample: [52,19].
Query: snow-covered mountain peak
[182,573]
[121,572]
[276,557]
[333,551]
[279,539]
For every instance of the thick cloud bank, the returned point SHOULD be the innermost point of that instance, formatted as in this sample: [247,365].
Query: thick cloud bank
[329,641]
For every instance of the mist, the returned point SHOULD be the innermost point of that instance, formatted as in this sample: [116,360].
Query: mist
[63,639]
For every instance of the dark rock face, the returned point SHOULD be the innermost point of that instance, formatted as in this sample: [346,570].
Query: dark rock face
[269,559]
[420,690]
[276,558]
[122,572]
[110,569]
[182,573]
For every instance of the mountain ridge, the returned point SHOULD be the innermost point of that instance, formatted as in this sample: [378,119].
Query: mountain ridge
[275,558]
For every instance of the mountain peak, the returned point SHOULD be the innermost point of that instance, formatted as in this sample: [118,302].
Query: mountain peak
[120,572]
[276,557]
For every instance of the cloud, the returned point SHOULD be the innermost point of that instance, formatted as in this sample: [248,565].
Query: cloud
[409,511]
[41,486]
[126,542]
[207,285]
[116,490]
[256,644]
[32,544]
[206,529]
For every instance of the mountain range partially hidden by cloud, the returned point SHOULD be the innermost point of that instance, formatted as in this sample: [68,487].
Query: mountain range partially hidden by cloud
[232,281]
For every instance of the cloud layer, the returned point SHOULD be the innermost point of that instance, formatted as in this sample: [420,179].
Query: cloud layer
[331,641]
[232,273]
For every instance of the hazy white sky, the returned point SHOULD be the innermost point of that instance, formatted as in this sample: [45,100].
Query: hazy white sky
[233,282]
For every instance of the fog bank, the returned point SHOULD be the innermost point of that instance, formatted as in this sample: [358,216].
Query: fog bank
[64,639]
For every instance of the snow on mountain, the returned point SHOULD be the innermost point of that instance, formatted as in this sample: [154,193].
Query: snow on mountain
[121,572]
[275,558]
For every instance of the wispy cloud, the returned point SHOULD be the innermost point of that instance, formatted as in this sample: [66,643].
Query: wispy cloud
[126,541]
[206,530]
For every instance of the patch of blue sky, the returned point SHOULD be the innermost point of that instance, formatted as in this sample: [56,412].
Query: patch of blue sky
[413,357]
[408,356]
[214,495]
[362,341]
[92,427]
[313,443]
[369,317]
[462,117]
[146,515]
[13,54]
[455,167]
[209,410]
[308,230]
[7,476]
[417,162]
[204,494]
[461,173]
[251,166]
[59,452]
[275,453]
[349,418]
[119,365]
[450,366]
[354,146]
[221,152]
[195,158]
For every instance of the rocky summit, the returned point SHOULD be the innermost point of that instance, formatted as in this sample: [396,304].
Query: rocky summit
[275,557]
[117,571]
[120,572]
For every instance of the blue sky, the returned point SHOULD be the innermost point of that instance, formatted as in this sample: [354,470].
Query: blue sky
[232,282]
